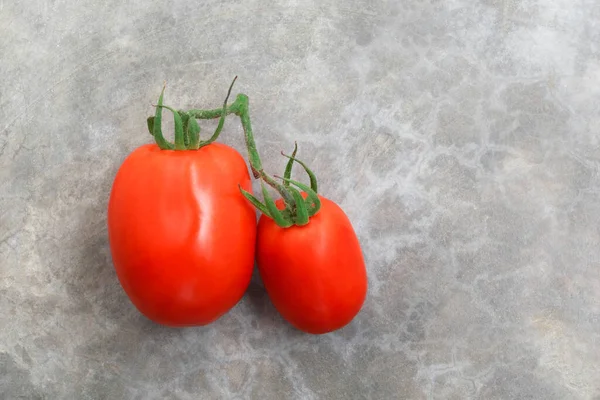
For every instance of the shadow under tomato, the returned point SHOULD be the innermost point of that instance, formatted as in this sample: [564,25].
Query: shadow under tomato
[90,278]
[95,293]
[264,315]
[257,298]
[266,318]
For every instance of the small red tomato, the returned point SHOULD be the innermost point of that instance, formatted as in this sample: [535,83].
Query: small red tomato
[308,254]
[314,274]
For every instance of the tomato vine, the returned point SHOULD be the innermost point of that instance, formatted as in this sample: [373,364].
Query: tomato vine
[297,209]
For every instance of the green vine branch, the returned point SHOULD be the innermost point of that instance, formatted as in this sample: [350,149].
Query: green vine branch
[298,208]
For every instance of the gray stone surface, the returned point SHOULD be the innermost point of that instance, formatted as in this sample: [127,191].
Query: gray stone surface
[461,137]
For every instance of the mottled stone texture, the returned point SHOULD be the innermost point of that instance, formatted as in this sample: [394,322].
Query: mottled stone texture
[461,137]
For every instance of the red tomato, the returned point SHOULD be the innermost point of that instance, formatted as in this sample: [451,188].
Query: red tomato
[315,274]
[181,234]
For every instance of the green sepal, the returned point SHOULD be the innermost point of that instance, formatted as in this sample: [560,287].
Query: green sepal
[288,168]
[150,122]
[287,214]
[301,217]
[185,118]
[193,133]
[283,191]
[274,212]
[221,119]
[312,197]
[179,140]
[156,126]
[311,175]
[255,202]
[311,206]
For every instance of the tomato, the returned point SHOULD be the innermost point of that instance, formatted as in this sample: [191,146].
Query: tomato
[308,254]
[314,274]
[182,236]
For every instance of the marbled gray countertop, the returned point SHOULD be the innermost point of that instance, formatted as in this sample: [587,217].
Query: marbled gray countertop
[461,137]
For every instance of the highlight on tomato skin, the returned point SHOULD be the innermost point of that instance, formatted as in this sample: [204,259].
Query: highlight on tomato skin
[182,237]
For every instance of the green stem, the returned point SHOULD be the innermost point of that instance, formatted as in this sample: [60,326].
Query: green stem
[253,157]
[234,108]
[244,113]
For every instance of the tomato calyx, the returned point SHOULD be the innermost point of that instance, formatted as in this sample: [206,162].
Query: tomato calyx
[296,212]
[187,130]
[297,209]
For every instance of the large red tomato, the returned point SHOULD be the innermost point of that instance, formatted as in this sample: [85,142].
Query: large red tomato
[181,234]
[315,273]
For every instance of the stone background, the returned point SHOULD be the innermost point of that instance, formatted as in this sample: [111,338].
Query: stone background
[461,137]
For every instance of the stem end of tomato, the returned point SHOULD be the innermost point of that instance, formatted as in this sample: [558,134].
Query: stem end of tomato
[298,210]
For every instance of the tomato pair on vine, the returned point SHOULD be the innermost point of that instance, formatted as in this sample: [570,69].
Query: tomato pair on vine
[183,232]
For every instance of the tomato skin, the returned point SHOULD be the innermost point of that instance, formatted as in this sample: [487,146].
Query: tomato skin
[182,236]
[314,274]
